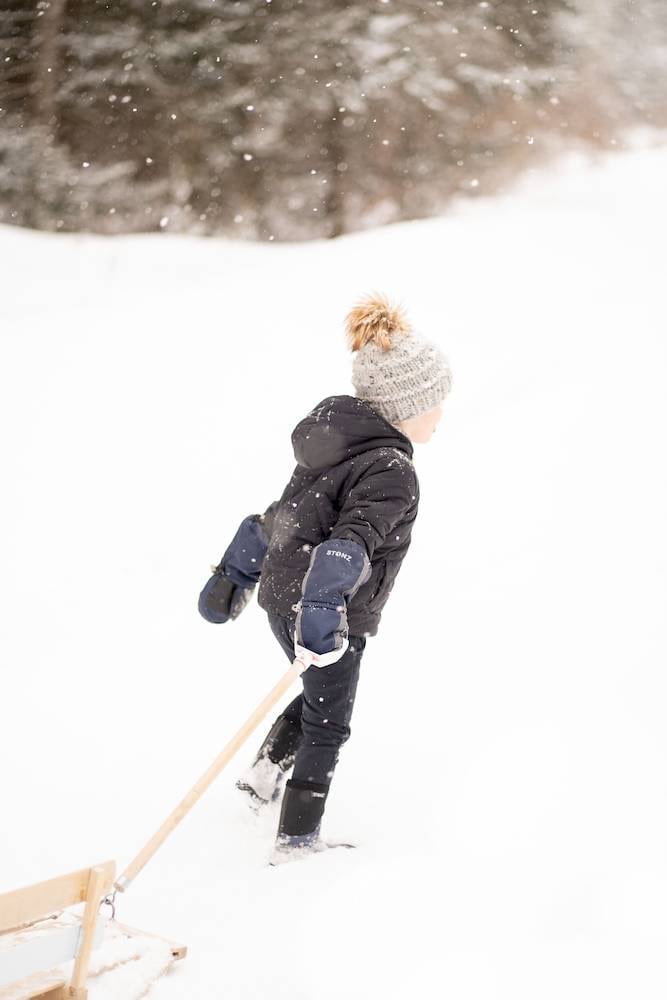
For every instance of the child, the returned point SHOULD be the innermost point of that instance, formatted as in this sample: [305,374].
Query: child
[326,554]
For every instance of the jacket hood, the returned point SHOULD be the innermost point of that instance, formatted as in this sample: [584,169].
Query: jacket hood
[341,427]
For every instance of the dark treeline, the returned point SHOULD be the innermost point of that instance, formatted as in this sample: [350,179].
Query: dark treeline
[296,119]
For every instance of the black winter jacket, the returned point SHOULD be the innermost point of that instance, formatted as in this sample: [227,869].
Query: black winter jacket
[354,479]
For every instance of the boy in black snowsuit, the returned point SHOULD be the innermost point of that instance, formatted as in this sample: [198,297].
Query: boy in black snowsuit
[327,553]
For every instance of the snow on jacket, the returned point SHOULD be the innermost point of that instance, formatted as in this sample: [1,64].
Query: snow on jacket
[354,479]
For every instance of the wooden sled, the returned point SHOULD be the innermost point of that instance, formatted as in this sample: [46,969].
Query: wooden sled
[36,937]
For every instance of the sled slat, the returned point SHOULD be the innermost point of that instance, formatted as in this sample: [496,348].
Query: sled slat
[45,985]
[178,951]
[22,906]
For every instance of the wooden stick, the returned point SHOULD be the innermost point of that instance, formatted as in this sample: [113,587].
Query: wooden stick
[96,889]
[208,777]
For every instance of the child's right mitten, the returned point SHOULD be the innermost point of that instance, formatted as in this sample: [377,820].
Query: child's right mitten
[337,569]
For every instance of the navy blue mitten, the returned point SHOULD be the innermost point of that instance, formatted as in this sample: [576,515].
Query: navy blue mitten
[230,588]
[337,569]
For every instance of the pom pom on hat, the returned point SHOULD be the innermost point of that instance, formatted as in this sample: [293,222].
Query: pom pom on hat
[397,372]
[375,320]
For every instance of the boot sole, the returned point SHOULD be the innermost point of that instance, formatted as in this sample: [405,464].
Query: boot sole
[255,801]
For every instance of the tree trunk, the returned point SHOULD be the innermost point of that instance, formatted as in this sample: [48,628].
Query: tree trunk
[47,72]
[334,204]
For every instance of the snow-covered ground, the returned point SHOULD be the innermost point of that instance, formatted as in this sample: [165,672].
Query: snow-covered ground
[506,779]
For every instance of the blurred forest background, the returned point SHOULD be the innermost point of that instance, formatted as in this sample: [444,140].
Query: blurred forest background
[299,119]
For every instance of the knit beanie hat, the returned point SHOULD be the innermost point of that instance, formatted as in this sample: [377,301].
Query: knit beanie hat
[395,370]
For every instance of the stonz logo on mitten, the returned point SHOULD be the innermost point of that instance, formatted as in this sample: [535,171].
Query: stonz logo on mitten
[341,555]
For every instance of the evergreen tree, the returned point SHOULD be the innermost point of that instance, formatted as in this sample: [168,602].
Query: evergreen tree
[287,119]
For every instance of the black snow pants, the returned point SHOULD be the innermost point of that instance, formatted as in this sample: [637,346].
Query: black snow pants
[324,709]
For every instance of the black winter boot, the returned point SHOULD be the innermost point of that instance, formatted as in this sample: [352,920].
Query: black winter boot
[302,809]
[263,779]
[300,821]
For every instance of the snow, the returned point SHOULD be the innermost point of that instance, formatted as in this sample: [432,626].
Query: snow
[505,779]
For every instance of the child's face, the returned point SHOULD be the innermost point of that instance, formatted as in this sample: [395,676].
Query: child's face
[420,429]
